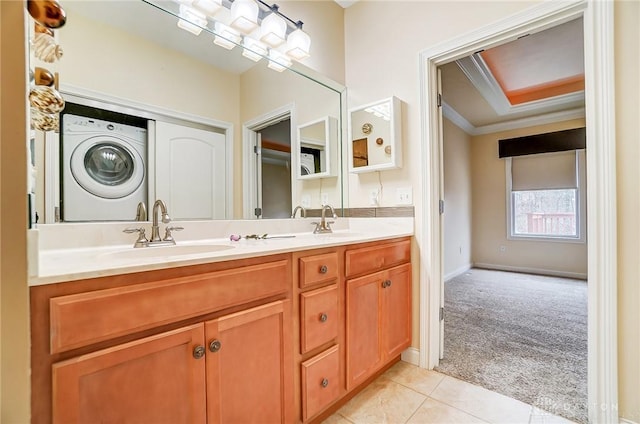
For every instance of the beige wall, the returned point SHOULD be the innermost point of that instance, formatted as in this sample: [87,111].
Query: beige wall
[14,301]
[627,52]
[457,199]
[490,214]
[395,72]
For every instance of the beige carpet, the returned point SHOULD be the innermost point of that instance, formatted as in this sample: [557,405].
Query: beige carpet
[521,335]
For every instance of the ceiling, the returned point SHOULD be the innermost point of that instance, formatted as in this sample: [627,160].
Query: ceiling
[536,78]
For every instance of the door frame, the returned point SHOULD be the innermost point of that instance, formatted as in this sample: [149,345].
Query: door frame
[250,130]
[601,185]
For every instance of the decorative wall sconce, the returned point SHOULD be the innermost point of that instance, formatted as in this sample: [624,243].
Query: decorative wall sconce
[259,28]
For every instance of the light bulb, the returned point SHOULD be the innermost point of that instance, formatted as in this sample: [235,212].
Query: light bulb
[278,61]
[253,49]
[273,29]
[298,44]
[244,15]
[225,36]
[191,20]
[208,7]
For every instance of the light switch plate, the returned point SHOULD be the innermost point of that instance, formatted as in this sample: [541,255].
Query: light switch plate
[324,199]
[305,201]
[404,196]
[373,197]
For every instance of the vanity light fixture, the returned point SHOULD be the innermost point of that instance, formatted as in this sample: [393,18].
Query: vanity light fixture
[278,61]
[273,28]
[226,36]
[298,43]
[253,49]
[244,15]
[258,27]
[191,20]
[208,7]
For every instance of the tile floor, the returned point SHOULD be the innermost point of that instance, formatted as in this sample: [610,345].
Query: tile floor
[411,395]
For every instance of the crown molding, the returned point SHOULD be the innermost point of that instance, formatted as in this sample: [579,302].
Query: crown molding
[548,118]
[477,71]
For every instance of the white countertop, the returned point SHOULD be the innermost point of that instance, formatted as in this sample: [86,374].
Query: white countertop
[68,252]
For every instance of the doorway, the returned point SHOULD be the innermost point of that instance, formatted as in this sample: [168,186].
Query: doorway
[601,207]
[268,166]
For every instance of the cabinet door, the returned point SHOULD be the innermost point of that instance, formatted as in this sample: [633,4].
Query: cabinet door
[363,335]
[249,366]
[155,380]
[396,311]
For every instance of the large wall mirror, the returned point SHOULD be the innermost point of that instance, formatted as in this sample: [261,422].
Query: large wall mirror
[206,119]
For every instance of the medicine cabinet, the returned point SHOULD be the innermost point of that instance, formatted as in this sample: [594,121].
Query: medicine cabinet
[375,136]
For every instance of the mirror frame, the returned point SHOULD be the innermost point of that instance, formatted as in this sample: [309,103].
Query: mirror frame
[331,134]
[395,142]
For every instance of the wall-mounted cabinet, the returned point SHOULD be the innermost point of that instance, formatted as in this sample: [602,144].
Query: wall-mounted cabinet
[316,148]
[375,136]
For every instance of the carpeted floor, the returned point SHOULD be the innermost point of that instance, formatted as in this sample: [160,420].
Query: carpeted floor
[521,335]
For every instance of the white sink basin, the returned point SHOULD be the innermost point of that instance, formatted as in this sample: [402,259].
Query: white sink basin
[167,251]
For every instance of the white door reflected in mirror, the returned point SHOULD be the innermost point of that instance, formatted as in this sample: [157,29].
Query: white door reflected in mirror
[316,146]
[376,135]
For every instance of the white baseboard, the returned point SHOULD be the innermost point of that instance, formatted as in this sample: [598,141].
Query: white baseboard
[539,271]
[411,355]
[623,421]
[458,271]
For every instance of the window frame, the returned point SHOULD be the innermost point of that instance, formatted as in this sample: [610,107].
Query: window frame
[580,209]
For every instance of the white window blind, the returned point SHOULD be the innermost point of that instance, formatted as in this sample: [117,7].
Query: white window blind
[544,171]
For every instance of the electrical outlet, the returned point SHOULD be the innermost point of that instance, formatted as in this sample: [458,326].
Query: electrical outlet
[324,199]
[373,197]
[403,196]
[305,201]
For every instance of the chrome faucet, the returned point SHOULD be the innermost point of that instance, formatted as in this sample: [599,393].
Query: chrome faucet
[141,212]
[155,229]
[303,212]
[155,240]
[323,226]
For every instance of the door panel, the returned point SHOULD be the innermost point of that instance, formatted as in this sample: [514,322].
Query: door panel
[248,377]
[363,335]
[155,380]
[397,311]
[190,171]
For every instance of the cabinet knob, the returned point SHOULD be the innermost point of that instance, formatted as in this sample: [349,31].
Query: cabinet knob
[323,317]
[215,345]
[323,269]
[386,283]
[324,382]
[198,351]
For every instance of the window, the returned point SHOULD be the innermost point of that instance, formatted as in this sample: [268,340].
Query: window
[546,196]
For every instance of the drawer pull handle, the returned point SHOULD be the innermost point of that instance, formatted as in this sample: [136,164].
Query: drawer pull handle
[215,345]
[324,382]
[323,317]
[323,269]
[198,352]
[386,283]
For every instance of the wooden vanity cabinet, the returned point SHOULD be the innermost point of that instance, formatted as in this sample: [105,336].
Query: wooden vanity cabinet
[378,308]
[230,361]
[319,356]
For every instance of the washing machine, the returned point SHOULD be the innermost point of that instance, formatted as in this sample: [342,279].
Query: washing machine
[104,169]
[307,164]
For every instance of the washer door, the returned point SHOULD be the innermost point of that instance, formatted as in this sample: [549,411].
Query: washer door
[107,167]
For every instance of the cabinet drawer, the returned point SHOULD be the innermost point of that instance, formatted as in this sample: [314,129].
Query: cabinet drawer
[318,269]
[318,317]
[320,381]
[376,258]
[86,318]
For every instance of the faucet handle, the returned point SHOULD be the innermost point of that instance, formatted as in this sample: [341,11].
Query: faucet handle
[142,239]
[167,233]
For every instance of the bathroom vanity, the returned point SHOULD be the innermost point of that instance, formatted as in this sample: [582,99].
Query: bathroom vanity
[282,330]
